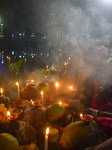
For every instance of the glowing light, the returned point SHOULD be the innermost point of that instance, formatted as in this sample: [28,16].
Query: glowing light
[46,139]
[47,131]
[41,92]
[32,81]
[81,115]
[71,88]
[60,103]
[56,84]
[17,83]
[8,113]
[1,90]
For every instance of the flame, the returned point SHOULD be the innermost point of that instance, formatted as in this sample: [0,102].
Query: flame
[8,113]
[32,81]
[56,84]
[1,90]
[47,130]
[81,115]
[17,83]
[41,92]
[71,87]
[60,103]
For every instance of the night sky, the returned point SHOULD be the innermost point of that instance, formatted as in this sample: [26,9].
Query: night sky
[62,15]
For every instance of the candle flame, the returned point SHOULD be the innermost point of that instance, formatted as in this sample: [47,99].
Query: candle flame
[60,103]
[32,102]
[1,90]
[81,115]
[41,92]
[71,87]
[17,83]
[47,131]
[56,84]
[8,113]
[32,81]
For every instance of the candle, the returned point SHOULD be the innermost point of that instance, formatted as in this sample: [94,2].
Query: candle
[60,103]
[32,81]
[81,116]
[32,102]
[42,97]
[8,114]
[46,139]
[86,117]
[63,104]
[1,91]
[17,83]
[56,87]
[71,88]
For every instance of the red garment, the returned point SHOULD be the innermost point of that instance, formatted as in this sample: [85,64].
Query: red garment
[104,106]
[105,124]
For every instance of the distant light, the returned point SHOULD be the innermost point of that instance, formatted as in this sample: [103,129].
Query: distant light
[12,52]
[32,56]
[12,34]
[20,34]
[24,53]
[20,56]
[41,54]
[48,54]
[69,58]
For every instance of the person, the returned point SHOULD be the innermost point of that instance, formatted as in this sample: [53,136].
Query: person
[103,100]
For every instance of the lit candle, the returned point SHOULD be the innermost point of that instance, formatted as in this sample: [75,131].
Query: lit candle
[63,104]
[60,103]
[32,81]
[1,91]
[71,88]
[42,97]
[81,116]
[86,117]
[46,139]
[17,83]
[56,87]
[8,114]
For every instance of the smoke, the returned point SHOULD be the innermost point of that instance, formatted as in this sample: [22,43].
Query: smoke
[78,30]
[82,33]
